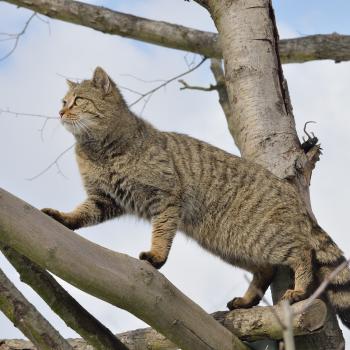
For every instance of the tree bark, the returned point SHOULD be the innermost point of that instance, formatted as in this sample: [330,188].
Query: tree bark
[314,47]
[262,121]
[28,319]
[250,325]
[123,281]
[65,306]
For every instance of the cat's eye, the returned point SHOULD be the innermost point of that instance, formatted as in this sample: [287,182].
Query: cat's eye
[78,101]
[64,102]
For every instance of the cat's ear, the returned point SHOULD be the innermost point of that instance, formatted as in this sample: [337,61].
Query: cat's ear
[71,84]
[102,81]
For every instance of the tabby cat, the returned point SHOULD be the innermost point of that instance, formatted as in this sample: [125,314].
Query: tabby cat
[235,209]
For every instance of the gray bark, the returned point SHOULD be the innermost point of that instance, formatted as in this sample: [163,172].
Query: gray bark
[314,47]
[122,281]
[250,325]
[28,319]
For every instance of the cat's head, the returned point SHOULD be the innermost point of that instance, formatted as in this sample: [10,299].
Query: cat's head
[89,107]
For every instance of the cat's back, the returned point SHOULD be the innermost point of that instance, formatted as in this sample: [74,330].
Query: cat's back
[220,182]
[198,162]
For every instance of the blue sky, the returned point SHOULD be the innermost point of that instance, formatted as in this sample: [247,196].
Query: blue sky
[31,81]
[314,17]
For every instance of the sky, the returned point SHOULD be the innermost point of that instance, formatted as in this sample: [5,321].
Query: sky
[32,80]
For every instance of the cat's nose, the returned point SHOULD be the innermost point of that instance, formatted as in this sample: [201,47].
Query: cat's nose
[61,112]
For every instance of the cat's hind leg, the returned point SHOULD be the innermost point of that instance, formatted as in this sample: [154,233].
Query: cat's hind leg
[262,278]
[303,276]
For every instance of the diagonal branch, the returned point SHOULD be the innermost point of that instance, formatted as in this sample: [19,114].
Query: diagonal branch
[28,319]
[314,47]
[65,306]
[115,278]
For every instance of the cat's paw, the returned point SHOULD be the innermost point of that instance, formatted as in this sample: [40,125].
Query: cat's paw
[58,216]
[55,214]
[153,259]
[241,303]
[293,296]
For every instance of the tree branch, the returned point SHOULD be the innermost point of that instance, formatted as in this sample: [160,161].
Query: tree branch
[28,319]
[125,282]
[248,324]
[314,47]
[65,306]
[112,22]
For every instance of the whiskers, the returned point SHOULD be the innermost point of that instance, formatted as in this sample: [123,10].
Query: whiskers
[80,126]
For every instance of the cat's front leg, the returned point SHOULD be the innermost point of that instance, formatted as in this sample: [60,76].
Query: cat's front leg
[94,210]
[164,226]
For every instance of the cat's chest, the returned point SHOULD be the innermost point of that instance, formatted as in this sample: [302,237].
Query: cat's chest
[124,183]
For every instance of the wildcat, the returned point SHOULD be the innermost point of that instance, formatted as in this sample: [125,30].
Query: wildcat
[234,208]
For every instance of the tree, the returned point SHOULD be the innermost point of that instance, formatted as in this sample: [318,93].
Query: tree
[255,85]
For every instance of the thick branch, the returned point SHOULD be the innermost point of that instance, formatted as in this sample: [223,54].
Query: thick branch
[334,47]
[250,324]
[27,318]
[112,22]
[314,47]
[115,278]
[65,306]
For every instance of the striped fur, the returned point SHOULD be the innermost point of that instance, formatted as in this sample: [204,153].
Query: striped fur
[328,257]
[235,209]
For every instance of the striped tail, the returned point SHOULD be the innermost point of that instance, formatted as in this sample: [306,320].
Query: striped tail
[328,257]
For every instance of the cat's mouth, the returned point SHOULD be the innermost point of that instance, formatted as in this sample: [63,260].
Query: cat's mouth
[76,126]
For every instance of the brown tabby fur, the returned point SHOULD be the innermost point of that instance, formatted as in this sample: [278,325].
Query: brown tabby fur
[236,209]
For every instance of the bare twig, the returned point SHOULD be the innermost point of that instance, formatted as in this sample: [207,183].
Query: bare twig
[288,336]
[130,90]
[41,130]
[20,114]
[16,36]
[54,163]
[201,88]
[30,115]
[190,62]
[142,80]
[166,82]
[47,22]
